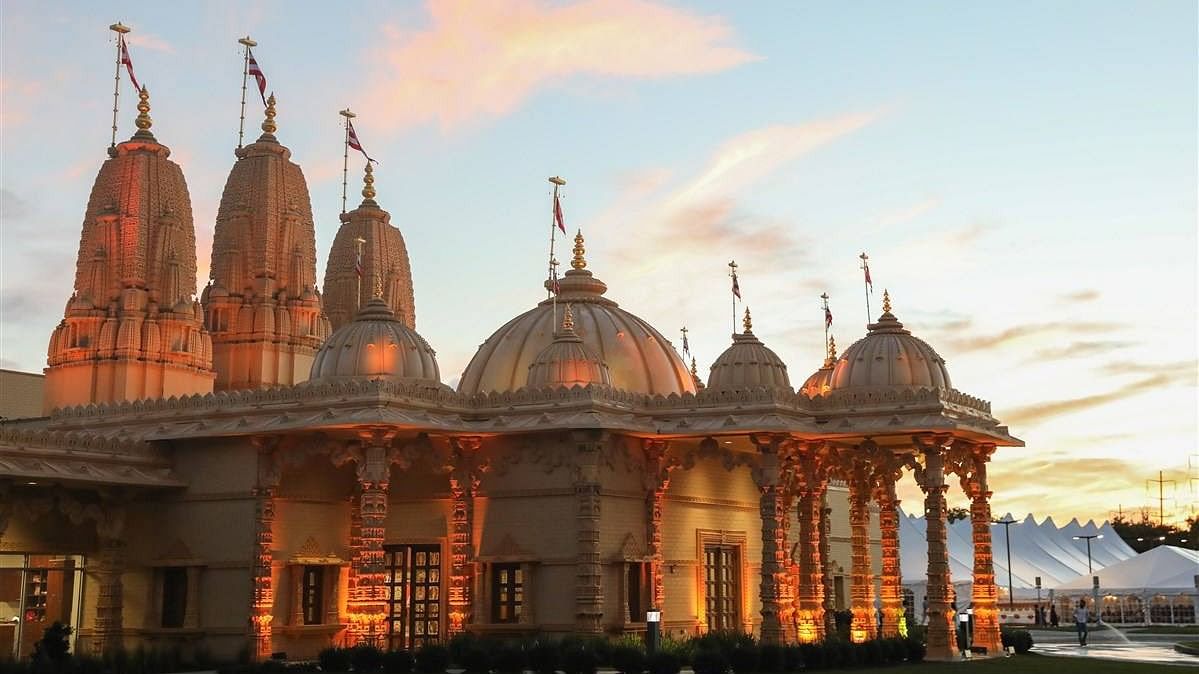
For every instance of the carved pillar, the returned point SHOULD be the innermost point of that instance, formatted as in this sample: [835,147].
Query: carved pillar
[829,601]
[589,591]
[985,595]
[109,624]
[262,604]
[942,644]
[368,602]
[891,591]
[657,480]
[862,626]
[464,485]
[812,484]
[774,591]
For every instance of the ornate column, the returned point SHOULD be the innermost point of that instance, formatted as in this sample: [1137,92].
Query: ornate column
[464,485]
[812,481]
[829,601]
[369,612]
[942,644]
[107,634]
[262,604]
[589,590]
[774,591]
[891,590]
[656,482]
[972,469]
[862,626]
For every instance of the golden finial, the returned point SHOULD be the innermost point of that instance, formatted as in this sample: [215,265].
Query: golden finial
[694,369]
[831,357]
[747,322]
[268,124]
[368,183]
[579,262]
[886,301]
[568,319]
[143,120]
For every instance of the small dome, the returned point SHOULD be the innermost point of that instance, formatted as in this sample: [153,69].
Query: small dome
[567,362]
[889,356]
[375,344]
[748,363]
[638,357]
[820,382]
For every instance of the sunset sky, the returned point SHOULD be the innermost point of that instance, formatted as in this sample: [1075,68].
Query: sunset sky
[1022,175]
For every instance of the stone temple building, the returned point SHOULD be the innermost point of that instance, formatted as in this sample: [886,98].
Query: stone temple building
[271,469]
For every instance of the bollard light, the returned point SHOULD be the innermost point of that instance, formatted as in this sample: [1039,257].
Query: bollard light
[653,629]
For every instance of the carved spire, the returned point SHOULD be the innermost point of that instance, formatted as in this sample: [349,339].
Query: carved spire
[568,320]
[832,352]
[368,183]
[579,262]
[143,120]
[886,301]
[747,322]
[268,124]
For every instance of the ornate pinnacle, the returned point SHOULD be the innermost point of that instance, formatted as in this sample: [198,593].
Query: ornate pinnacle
[694,369]
[143,120]
[832,352]
[886,301]
[568,320]
[579,262]
[368,183]
[268,124]
[747,322]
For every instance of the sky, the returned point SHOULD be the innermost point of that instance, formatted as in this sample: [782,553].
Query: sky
[1022,175]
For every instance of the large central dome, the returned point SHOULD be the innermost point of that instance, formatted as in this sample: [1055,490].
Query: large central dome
[638,356]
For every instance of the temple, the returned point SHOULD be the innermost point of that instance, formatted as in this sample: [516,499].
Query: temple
[333,490]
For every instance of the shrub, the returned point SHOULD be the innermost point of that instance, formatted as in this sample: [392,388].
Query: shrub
[872,653]
[577,658]
[744,658]
[894,651]
[432,659]
[663,662]
[334,659]
[398,662]
[544,657]
[723,641]
[915,649]
[508,659]
[812,656]
[366,658]
[474,659]
[55,645]
[770,659]
[792,658]
[709,660]
[1021,640]
[628,659]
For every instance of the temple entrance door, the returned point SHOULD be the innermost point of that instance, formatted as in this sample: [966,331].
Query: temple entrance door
[414,595]
[722,586]
[37,591]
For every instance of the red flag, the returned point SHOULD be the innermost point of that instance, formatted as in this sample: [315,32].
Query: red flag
[866,268]
[128,62]
[358,263]
[558,214]
[736,286]
[258,75]
[554,286]
[352,140]
[828,317]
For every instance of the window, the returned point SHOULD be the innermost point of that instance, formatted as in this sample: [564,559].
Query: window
[507,588]
[36,591]
[637,583]
[174,595]
[722,586]
[414,595]
[312,594]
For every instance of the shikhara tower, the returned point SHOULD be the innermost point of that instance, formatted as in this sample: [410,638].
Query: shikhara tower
[132,328]
[262,305]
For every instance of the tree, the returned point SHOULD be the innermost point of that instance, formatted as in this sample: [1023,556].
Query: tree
[956,514]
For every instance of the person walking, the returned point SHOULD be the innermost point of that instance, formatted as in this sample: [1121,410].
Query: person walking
[1053,619]
[1080,622]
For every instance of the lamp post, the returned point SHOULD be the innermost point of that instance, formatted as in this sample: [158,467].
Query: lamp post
[1007,541]
[1088,540]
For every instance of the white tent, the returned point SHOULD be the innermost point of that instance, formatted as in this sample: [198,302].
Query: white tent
[1159,570]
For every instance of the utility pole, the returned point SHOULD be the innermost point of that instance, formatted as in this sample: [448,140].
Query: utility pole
[1161,494]
[1007,539]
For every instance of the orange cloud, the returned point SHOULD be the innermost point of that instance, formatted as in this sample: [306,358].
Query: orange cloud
[480,60]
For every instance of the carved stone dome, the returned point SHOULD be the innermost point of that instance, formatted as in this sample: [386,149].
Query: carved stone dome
[638,357]
[748,363]
[820,382]
[890,357]
[375,344]
[567,362]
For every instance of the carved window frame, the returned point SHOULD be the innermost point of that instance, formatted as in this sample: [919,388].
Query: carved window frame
[725,538]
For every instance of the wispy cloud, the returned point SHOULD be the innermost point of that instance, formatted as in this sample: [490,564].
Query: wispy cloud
[964,343]
[908,213]
[1080,349]
[1036,413]
[144,40]
[1080,296]
[479,61]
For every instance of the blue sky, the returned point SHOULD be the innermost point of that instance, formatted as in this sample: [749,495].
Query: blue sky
[1022,174]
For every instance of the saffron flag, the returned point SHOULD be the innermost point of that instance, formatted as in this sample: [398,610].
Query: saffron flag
[128,62]
[686,346]
[866,268]
[561,221]
[554,286]
[736,286]
[358,263]
[259,77]
[828,317]
[352,140]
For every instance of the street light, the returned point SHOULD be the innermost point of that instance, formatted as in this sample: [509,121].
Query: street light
[1088,539]
[1007,539]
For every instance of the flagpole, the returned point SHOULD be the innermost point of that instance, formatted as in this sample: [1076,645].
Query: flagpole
[120,29]
[824,305]
[733,275]
[358,297]
[558,183]
[245,74]
[866,284]
[345,159]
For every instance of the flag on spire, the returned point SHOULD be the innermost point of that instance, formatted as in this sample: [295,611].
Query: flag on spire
[128,62]
[866,269]
[561,221]
[259,77]
[828,317]
[736,284]
[358,268]
[352,140]
[555,287]
[686,344]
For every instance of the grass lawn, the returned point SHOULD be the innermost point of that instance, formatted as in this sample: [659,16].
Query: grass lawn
[1031,664]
